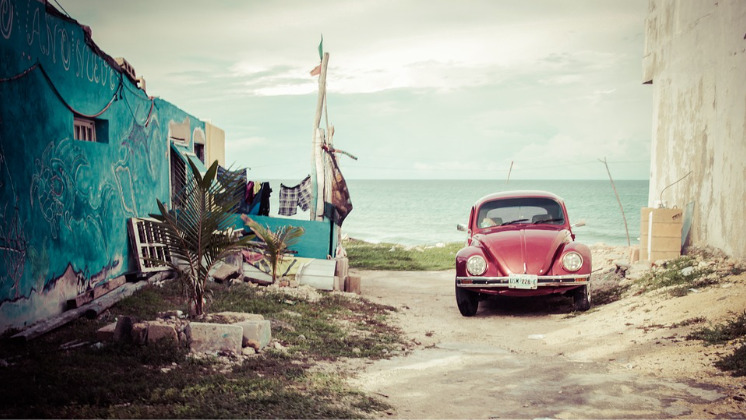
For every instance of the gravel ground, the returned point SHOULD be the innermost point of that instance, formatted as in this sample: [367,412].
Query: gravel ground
[532,358]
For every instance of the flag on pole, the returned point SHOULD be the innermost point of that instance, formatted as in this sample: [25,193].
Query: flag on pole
[317,70]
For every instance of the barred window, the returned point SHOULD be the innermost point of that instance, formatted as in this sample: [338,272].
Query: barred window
[85,129]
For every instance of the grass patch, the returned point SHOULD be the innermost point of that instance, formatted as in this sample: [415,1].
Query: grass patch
[385,256]
[49,378]
[735,363]
[688,322]
[723,333]
[680,275]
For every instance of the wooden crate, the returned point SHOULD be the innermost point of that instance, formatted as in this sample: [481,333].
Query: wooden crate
[660,233]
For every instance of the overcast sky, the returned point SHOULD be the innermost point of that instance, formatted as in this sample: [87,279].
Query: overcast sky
[416,88]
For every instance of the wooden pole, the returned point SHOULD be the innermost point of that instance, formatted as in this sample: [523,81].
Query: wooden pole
[617,199]
[317,154]
[509,171]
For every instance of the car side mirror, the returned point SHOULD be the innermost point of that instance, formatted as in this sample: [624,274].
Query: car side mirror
[579,224]
[460,227]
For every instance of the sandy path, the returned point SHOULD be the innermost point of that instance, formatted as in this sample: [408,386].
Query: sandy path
[512,361]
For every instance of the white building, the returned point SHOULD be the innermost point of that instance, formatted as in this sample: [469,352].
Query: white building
[695,59]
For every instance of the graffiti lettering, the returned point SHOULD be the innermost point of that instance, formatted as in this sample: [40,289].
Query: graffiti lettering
[34,30]
[6,18]
[90,67]
[64,49]
[50,39]
[79,56]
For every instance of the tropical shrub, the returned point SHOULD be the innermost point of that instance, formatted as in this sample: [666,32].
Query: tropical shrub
[276,243]
[196,233]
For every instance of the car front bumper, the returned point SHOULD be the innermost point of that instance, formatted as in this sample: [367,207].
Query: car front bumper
[478,282]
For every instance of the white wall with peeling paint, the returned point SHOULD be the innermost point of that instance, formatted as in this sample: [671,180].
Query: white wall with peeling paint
[695,59]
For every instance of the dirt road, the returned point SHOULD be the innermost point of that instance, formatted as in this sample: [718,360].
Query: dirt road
[625,359]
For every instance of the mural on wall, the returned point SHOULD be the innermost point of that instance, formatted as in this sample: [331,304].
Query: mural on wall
[65,191]
[139,144]
[64,203]
[13,241]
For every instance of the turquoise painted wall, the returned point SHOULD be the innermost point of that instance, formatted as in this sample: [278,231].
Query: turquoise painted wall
[315,240]
[64,203]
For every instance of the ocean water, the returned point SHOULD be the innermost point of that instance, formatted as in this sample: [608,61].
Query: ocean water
[426,212]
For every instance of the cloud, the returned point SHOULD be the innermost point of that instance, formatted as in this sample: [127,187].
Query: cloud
[422,88]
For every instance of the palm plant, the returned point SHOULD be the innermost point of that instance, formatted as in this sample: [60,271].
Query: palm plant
[276,243]
[194,232]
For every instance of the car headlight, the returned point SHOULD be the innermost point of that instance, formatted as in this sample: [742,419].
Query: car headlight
[572,261]
[476,265]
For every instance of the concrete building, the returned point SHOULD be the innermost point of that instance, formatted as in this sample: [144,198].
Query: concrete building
[83,148]
[695,60]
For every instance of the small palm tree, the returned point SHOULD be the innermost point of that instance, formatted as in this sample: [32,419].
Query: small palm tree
[275,243]
[194,232]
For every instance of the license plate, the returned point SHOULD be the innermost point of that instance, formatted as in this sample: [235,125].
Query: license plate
[523,281]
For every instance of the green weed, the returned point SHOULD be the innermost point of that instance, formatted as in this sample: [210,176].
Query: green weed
[735,362]
[724,333]
[680,274]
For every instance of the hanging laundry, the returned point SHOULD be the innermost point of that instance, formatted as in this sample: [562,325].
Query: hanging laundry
[304,195]
[249,193]
[288,200]
[341,202]
[239,177]
[260,203]
[293,197]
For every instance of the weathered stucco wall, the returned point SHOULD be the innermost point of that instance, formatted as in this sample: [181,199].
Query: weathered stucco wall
[695,57]
[64,203]
[215,145]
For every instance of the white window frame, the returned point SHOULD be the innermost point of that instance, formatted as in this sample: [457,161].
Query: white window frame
[84,129]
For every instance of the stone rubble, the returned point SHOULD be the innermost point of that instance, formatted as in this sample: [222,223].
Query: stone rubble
[223,333]
[713,265]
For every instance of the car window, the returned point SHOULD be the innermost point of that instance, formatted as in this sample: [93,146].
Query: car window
[520,210]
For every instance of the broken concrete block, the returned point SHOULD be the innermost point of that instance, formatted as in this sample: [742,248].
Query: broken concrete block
[139,333]
[255,275]
[259,331]
[212,338]
[123,330]
[232,317]
[225,272]
[159,330]
[106,333]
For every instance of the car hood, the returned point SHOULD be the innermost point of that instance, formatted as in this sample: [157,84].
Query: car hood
[524,251]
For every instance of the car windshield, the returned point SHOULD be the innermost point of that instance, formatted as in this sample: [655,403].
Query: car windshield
[534,210]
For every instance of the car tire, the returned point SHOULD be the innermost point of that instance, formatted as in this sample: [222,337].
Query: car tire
[581,298]
[467,301]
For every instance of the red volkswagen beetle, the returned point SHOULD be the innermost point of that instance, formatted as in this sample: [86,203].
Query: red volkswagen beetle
[520,243]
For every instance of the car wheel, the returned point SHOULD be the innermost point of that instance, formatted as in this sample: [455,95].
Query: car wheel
[467,301]
[581,298]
